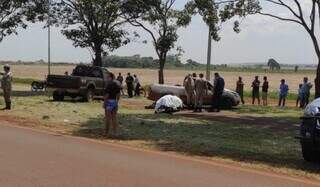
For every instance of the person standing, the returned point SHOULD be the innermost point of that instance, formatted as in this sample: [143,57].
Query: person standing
[189,88]
[201,88]
[256,90]
[130,87]
[6,85]
[240,88]
[305,89]
[137,85]
[299,97]
[120,79]
[111,103]
[194,77]
[265,90]
[218,91]
[284,89]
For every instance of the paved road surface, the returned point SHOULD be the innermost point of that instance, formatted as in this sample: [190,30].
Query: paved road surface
[29,158]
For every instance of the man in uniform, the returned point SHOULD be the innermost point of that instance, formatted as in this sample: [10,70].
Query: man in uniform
[120,79]
[201,88]
[218,91]
[240,88]
[256,90]
[129,82]
[6,85]
[189,87]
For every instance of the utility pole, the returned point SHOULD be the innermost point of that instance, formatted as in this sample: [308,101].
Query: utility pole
[209,56]
[49,39]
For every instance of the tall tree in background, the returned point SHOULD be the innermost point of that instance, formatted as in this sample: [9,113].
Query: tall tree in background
[15,13]
[216,12]
[93,24]
[305,13]
[161,20]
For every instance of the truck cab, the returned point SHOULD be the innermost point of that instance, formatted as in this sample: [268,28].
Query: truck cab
[85,82]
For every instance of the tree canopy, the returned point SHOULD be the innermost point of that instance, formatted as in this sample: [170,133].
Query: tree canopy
[15,13]
[93,24]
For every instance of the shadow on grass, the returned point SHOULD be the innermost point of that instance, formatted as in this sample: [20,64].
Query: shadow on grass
[26,93]
[196,137]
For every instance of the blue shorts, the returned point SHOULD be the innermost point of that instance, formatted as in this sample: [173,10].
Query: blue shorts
[111,105]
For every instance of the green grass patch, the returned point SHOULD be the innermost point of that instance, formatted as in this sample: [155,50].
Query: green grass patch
[18,80]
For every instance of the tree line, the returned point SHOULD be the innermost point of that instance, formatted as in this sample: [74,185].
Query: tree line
[102,25]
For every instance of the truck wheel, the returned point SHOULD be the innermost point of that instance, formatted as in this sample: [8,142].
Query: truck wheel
[309,153]
[58,96]
[90,95]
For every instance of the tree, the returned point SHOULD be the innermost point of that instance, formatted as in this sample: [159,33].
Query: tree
[94,24]
[273,64]
[216,12]
[161,21]
[306,14]
[15,13]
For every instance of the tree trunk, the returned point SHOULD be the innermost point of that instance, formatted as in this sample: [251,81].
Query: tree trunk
[161,70]
[317,81]
[98,57]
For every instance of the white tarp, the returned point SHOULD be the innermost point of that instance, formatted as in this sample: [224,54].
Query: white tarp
[312,108]
[169,101]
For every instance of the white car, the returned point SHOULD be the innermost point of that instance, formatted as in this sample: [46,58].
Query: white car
[229,98]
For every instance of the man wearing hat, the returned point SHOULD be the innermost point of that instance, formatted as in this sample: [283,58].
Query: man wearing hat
[6,85]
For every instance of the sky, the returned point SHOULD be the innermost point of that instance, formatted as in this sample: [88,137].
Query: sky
[260,39]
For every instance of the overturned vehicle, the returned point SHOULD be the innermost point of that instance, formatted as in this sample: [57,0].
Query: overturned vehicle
[310,132]
[229,98]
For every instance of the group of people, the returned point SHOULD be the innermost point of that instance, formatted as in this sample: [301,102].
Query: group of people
[197,88]
[302,99]
[132,83]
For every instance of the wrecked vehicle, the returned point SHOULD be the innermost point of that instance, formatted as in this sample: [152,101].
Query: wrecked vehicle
[310,132]
[230,98]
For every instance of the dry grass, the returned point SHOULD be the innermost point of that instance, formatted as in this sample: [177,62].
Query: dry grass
[148,76]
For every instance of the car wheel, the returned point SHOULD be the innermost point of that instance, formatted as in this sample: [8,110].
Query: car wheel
[309,153]
[90,95]
[227,103]
[58,96]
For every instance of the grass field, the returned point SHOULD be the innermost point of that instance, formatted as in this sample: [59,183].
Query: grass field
[259,137]
[148,76]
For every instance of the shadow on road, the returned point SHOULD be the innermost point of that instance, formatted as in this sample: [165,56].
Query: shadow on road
[226,138]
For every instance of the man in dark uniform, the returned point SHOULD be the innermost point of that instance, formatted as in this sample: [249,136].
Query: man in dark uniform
[218,91]
[130,87]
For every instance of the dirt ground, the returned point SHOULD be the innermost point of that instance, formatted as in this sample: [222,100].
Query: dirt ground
[148,76]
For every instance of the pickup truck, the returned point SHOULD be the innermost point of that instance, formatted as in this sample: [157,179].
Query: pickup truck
[85,82]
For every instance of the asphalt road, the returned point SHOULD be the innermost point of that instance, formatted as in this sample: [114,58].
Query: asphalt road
[30,158]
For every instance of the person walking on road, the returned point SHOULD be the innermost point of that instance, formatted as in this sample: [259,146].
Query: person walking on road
[6,85]
[111,102]
[240,88]
[284,89]
[218,91]
[137,85]
[120,79]
[306,87]
[189,88]
[130,87]
[256,90]
[201,88]
[265,90]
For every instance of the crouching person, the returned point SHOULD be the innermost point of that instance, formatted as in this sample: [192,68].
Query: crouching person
[6,85]
[111,102]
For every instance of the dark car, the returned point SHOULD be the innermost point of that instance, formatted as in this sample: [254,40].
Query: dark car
[85,82]
[310,132]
